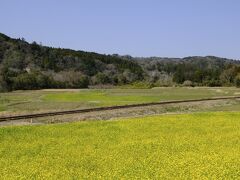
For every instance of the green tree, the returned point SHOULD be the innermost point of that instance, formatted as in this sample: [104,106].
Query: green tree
[102,78]
[237,81]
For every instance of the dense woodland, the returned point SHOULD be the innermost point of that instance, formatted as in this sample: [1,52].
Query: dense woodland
[26,65]
[192,71]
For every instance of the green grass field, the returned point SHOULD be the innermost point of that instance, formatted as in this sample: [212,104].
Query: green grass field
[188,146]
[35,101]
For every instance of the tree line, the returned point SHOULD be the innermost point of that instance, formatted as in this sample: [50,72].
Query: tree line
[26,65]
[192,71]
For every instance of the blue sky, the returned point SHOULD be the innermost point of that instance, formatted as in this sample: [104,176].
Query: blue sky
[166,28]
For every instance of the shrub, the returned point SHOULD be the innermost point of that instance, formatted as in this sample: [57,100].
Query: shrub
[25,81]
[188,83]
[212,83]
[101,78]
[237,81]
[82,82]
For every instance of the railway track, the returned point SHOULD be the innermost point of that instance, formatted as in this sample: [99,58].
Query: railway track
[30,116]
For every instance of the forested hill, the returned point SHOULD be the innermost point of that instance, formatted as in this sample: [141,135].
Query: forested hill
[33,66]
[26,65]
[194,71]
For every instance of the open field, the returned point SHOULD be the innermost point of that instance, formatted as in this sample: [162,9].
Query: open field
[23,102]
[179,108]
[199,145]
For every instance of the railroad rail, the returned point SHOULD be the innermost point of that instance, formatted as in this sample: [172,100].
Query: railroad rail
[30,116]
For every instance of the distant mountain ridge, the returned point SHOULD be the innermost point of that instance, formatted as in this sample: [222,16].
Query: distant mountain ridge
[26,65]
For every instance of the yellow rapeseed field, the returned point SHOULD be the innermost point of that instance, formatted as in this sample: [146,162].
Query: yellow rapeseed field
[187,146]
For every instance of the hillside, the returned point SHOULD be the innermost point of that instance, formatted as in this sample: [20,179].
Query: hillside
[33,66]
[26,65]
[199,71]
